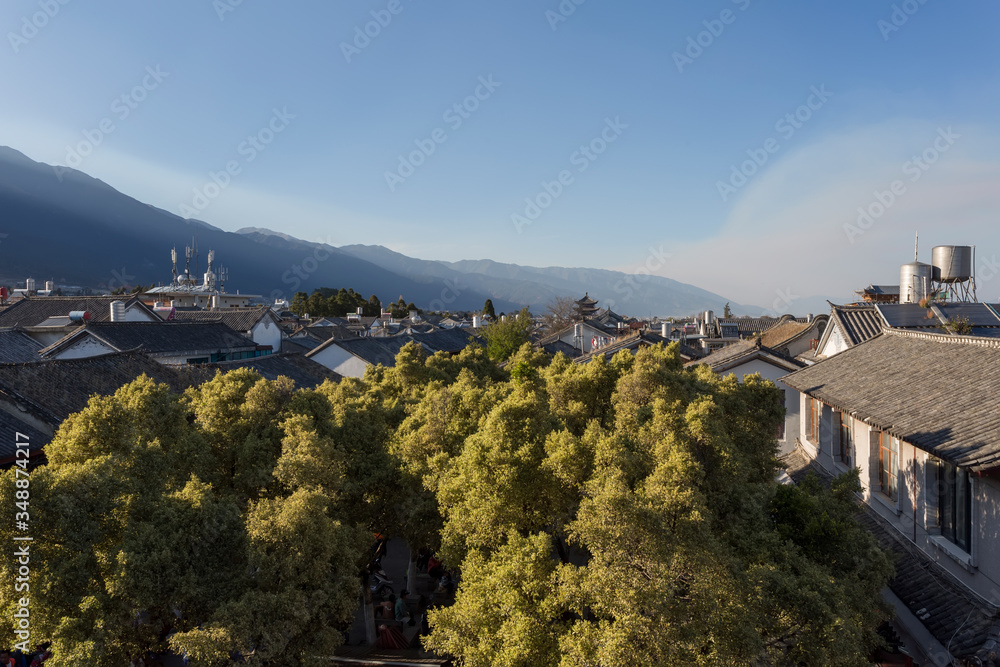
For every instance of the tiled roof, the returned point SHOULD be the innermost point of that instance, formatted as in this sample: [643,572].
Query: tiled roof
[882,290]
[858,322]
[383,350]
[735,354]
[750,325]
[33,311]
[325,333]
[445,340]
[593,324]
[299,345]
[162,337]
[17,347]
[10,426]
[304,372]
[935,391]
[783,333]
[56,389]
[238,319]
[556,346]
[960,621]
[372,350]
[631,342]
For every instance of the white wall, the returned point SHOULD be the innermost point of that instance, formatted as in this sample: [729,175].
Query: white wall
[835,344]
[914,513]
[341,361]
[137,314]
[588,335]
[267,333]
[86,346]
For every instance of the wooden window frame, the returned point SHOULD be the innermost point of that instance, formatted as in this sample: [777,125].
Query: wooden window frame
[888,470]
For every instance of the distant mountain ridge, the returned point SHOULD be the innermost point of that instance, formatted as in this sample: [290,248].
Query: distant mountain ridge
[78,230]
[628,294]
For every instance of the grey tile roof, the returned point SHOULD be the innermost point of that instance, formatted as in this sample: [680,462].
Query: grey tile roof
[935,391]
[33,311]
[383,349]
[325,333]
[735,354]
[162,337]
[372,350]
[631,343]
[10,426]
[858,322]
[17,347]
[299,345]
[957,619]
[237,319]
[445,340]
[556,346]
[53,390]
[750,325]
[881,290]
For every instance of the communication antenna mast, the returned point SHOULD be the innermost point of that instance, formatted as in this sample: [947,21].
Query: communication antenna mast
[173,260]
[916,246]
[223,277]
[211,258]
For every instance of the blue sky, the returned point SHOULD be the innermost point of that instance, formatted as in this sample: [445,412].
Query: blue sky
[670,97]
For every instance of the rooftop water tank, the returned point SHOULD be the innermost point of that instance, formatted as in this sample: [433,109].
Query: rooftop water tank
[915,281]
[952,263]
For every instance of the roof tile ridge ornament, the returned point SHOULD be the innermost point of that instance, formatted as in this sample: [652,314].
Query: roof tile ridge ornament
[944,338]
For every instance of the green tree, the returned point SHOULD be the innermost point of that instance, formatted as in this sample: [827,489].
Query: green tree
[488,310]
[628,514]
[504,338]
[727,312]
[300,304]
[374,307]
[220,519]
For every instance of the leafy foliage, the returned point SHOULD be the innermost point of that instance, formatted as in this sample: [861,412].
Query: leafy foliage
[327,302]
[620,512]
[214,523]
[505,337]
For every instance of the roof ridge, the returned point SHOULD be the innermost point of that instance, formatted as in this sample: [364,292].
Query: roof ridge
[944,337]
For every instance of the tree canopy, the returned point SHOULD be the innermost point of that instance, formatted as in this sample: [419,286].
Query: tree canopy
[619,512]
[328,302]
[505,337]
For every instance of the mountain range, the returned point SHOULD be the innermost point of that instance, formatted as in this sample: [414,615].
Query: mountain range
[66,226]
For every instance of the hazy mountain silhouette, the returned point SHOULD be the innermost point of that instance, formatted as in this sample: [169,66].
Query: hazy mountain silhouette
[77,230]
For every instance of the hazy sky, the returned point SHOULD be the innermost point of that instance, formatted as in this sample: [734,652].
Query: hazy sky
[582,133]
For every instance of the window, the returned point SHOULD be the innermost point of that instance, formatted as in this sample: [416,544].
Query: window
[813,413]
[888,464]
[846,445]
[954,489]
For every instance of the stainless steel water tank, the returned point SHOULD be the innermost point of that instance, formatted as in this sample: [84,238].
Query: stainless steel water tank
[952,263]
[915,282]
